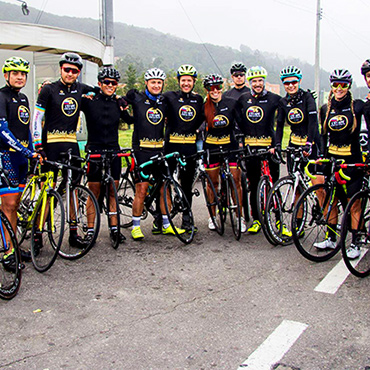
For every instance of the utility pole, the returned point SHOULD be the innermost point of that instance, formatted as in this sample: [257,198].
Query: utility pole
[107,31]
[317,52]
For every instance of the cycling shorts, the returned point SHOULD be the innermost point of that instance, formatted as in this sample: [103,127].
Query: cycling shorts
[214,160]
[142,156]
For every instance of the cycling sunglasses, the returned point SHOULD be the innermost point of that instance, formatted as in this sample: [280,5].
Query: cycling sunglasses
[343,85]
[74,71]
[287,83]
[109,82]
[238,74]
[214,87]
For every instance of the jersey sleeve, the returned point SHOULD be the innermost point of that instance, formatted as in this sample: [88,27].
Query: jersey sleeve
[280,122]
[312,119]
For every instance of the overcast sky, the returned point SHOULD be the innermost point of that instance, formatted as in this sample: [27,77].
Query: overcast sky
[286,27]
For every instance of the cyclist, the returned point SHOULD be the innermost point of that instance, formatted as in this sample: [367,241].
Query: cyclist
[237,71]
[340,119]
[258,110]
[184,117]
[15,143]
[149,111]
[365,71]
[220,115]
[103,113]
[60,103]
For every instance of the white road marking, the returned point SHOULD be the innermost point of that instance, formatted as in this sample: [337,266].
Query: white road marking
[275,346]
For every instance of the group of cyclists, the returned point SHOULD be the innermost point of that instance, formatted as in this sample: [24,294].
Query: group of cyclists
[172,122]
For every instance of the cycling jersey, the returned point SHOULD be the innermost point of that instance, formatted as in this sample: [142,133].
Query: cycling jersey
[257,118]
[14,122]
[236,93]
[61,106]
[301,115]
[149,116]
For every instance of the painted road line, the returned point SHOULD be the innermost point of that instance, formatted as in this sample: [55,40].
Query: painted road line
[275,346]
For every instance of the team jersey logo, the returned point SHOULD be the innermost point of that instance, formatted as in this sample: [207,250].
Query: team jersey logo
[187,113]
[254,114]
[295,116]
[69,106]
[220,121]
[338,123]
[24,114]
[154,116]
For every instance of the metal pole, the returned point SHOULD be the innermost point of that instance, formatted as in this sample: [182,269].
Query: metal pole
[107,30]
[317,53]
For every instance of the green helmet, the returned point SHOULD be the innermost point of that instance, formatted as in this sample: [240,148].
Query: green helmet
[16,64]
[187,70]
[256,72]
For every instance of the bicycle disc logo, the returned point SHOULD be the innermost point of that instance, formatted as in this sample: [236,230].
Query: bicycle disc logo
[338,123]
[254,114]
[69,106]
[154,116]
[295,116]
[220,121]
[23,114]
[187,113]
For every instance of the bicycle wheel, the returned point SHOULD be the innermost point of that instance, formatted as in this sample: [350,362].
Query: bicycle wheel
[10,280]
[83,209]
[126,193]
[178,208]
[48,230]
[214,207]
[223,198]
[245,192]
[358,205]
[233,206]
[263,189]
[311,223]
[279,210]
[112,210]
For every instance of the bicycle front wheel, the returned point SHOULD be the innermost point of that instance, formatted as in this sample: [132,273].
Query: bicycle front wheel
[233,206]
[47,231]
[126,194]
[10,278]
[356,230]
[178,210]
[314,222]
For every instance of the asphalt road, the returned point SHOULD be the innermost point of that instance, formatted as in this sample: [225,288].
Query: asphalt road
[158,304]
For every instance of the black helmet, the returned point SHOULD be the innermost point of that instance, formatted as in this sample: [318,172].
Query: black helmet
[212,79]
[108,72]
[71,58]
[238,67]
[341,75]
[365,67]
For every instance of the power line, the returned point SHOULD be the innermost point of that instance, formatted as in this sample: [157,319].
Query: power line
[307,10]
[41,12]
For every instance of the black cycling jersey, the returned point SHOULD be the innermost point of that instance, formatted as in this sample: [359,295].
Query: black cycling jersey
[102,120]
[14,121]
[257,118]
[341,140]
[301,116]
[149,117]
[184,116]
[61,105]
[236,93]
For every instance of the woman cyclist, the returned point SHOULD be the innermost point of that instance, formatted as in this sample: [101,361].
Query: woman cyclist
[220,115]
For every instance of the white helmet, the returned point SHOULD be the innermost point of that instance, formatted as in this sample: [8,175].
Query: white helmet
[154,73]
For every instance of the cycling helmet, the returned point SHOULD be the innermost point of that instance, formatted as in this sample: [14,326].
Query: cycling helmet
[108,72]
[187,70]
[238,67]
[256,72]
[341,75]
[365,67]
[154,73]
[16,64]
[71,58]
[212,79]
[290,71]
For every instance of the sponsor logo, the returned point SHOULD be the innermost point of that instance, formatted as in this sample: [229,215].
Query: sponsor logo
[187,113]
[254,114]
[154,116]
[295,116]
[338,123]
[23,114]
[220,121]
[69,106]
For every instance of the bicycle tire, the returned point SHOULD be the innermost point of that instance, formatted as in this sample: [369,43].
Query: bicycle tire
[279,209]
[82,194]
[245,200]
[313,227]
[263,189]
[223,197]
[359,267]
[126,193]
[233,206]
[214,208]
[10,281]
[51,234]
[107,206]
[177,206]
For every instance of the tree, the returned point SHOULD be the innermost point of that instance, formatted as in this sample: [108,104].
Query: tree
[130,78]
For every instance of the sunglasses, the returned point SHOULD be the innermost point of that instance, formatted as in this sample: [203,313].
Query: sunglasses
[238,74]
[109,82]
[287,83]
[343,85]
[214,87]
[74,71]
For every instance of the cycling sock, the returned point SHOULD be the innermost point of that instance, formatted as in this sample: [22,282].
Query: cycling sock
[136,221]
[332,232]
[165,221]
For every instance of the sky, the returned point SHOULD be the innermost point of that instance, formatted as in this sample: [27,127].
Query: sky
[285,27]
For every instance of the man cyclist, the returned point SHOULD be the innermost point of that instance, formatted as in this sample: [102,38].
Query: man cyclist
[15,143]
[149,112]
[103,114]
[237,71]
[60,103]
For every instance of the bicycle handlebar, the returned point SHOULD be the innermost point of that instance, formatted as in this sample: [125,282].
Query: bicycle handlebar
[325,160]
